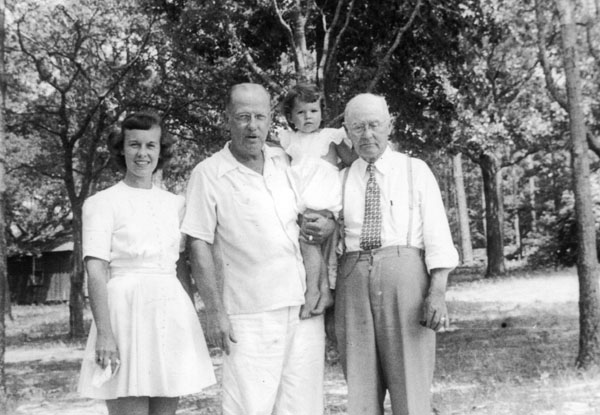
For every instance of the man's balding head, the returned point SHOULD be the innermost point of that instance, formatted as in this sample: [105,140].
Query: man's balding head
[248,116]
[368,125]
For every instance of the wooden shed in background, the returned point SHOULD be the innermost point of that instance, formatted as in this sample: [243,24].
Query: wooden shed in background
[41,279]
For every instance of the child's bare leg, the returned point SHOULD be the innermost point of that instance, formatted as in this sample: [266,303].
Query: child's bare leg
[313,263]
[328,276]
[325,296]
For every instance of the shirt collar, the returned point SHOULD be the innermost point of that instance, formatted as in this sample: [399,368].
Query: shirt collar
[383,164]
[230,162]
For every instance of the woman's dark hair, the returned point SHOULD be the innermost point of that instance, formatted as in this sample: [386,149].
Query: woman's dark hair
[140,121]
[304,93]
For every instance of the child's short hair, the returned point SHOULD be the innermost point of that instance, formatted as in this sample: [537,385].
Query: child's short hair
[303,92]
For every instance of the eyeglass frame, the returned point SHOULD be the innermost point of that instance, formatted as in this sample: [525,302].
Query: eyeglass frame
[359,128]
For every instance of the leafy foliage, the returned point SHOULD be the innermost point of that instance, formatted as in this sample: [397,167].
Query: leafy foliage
[556,241]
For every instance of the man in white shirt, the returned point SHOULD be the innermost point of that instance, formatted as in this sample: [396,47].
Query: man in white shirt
[241,214]
[390,292]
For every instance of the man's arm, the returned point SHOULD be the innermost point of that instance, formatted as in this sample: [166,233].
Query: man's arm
[347,154]
[219,332]
[435,312]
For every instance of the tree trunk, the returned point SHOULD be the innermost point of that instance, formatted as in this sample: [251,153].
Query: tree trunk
[532,204]
[516,220]
[587,260]
[484,227]
[466,246]
[490,170]
[3,278]
[299,28]
[76,300]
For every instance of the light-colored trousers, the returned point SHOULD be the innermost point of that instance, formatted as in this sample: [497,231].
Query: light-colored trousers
[379,299]
[276,366]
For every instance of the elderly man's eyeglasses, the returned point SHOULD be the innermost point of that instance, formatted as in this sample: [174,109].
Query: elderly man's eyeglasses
[359,128]
[245,118]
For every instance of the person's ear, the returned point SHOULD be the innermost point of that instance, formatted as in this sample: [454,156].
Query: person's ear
[392,124]
[225,126]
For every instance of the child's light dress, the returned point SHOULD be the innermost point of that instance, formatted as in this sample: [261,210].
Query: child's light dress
[318,181]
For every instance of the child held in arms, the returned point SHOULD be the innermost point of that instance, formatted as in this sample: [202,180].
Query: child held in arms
[316,153]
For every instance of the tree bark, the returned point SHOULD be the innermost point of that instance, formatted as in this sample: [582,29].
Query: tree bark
[76,298]
[532,192]
[494,214]
[587,260]
[3,277]
[466,246]
[516,220]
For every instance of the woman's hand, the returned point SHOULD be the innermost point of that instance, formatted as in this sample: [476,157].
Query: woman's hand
[107,352]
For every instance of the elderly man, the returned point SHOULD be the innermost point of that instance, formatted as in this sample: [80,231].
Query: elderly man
[391,285]
[241,215]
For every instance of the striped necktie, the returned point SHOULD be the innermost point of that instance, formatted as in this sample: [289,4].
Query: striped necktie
[370,235]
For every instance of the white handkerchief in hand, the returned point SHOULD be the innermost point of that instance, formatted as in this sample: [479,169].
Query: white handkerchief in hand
[101,376]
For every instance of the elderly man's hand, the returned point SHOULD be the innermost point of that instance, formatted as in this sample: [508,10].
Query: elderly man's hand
[317,226]
[435,312]
[219,331]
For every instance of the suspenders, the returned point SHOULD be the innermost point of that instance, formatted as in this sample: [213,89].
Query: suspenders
[411,197]
[341,245]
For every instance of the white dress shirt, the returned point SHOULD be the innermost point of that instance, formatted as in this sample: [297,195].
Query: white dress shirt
[428,228]
[251,219]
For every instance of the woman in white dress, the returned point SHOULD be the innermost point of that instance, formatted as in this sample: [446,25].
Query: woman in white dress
[146,347]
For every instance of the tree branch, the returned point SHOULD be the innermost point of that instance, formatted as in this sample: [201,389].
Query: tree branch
[40,172]
[42,70]
[115,83]
[385,61]
[286,27]
[288,32]
[257,70]
[512,90]
[590,42]
[593,142]
[520,156]
[329,54]
[541,35]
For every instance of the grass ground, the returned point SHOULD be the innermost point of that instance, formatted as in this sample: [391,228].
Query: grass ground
[510,350]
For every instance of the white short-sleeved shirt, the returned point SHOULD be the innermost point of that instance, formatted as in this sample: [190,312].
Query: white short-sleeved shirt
[136,230]
[429,229]
[251,219]
[299,145]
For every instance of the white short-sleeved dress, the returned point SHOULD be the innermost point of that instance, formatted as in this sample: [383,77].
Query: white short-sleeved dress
[160,340]
[317,181]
